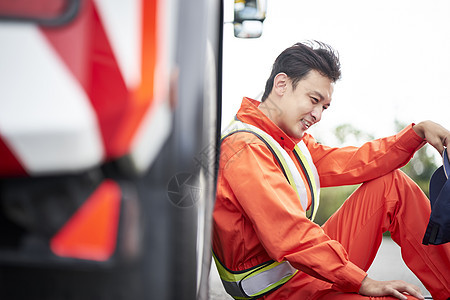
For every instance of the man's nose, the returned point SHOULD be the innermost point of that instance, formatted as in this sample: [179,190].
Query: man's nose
[316,113]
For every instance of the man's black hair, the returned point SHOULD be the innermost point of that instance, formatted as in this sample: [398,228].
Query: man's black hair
[298,60]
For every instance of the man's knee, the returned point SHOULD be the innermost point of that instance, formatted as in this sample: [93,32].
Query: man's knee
[394,187]
[396,177]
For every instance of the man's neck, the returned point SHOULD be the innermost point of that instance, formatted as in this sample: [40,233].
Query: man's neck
[270,108]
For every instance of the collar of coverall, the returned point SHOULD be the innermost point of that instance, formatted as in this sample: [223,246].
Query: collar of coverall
[249,113]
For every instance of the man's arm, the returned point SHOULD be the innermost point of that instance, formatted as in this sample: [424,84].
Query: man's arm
[434,134]
[354,165]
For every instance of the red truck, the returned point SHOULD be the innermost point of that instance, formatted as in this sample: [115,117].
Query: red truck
[109,126]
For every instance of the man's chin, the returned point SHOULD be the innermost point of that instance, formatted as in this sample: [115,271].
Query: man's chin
[297,135]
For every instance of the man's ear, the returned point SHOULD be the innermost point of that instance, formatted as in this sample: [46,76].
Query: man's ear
[280,83]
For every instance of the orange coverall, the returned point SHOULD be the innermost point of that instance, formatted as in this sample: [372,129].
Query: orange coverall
[258,217]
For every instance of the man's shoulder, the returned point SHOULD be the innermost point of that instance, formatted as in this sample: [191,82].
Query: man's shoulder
[237,141]
[242,148]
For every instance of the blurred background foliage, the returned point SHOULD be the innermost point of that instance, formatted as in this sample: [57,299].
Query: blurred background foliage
[420,169]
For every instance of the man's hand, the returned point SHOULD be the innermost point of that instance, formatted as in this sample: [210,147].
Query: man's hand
[435,134]
[395,288]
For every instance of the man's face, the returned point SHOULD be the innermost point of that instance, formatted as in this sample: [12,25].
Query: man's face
[303,106]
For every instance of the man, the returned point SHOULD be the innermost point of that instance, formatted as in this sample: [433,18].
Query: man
[265,243]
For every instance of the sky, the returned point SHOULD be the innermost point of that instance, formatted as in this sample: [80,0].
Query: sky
[395,59]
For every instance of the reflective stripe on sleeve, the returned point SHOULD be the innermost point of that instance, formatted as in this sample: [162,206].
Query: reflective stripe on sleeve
[267,279]
[256,281]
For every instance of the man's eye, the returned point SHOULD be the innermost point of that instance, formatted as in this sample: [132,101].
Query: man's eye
[315,100]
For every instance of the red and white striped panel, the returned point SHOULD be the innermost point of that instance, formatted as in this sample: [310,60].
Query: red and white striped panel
[75,96]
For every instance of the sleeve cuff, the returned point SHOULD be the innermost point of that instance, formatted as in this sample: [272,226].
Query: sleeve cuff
[350,279]
[409,140]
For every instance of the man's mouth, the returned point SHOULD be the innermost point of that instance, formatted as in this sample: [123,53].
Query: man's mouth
[306,123]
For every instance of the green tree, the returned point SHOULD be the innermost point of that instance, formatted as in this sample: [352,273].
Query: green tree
[421,166]
[344,131]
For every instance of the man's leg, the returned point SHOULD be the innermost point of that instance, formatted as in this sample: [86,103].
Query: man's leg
[335,295]
[392,203]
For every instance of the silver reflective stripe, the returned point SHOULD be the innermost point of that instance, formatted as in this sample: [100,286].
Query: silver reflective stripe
[256,283]
[307,154]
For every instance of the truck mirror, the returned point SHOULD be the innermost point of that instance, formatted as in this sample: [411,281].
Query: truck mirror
[249,16]
[43,12]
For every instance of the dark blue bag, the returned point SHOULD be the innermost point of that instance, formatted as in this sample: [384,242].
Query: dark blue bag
[438,229]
